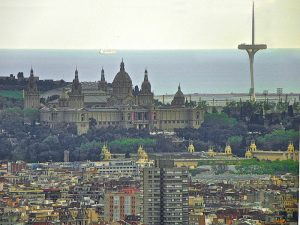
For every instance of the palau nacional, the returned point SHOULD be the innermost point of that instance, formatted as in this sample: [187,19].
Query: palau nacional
[115,104]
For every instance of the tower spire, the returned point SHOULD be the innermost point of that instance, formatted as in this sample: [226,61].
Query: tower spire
[146,75]
[102,74]
[31,71]
[122,66]
[253,24]
[76,73]
[251,50]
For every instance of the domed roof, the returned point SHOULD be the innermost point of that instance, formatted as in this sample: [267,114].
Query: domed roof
[122,76]
[179,93]
[122,84]
[179,98]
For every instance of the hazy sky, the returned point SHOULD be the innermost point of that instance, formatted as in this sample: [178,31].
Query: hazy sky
[147,24]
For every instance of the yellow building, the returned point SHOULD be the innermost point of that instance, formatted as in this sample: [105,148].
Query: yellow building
[44,215]
[228,150]
[189,163]
[196,206]
[248,154]
[226,154]
[252,146]
[143,158]
[191,148]
[291,153]
[106,155]
[142,154]
[211,152]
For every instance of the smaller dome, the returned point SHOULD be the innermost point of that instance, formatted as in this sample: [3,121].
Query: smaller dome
[179,93]
[179,98]
[146,86]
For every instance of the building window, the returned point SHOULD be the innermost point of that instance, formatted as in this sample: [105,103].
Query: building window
[82,117]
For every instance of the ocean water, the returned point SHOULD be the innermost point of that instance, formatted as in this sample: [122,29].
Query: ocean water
[197,71]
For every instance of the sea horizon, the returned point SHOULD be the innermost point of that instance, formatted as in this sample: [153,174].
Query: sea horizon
[202,71]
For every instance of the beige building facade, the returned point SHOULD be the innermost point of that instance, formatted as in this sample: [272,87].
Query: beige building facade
[118,105]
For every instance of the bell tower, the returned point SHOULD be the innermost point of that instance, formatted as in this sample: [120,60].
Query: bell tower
[102,84]
[31,94]
[76,98]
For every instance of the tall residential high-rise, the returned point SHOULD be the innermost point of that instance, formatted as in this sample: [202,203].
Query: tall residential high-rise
[251,50]
[165,194]
[119,204]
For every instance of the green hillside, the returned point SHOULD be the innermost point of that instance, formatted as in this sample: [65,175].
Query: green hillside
[17,94]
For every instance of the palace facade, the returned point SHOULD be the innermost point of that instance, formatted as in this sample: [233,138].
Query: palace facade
[105,105]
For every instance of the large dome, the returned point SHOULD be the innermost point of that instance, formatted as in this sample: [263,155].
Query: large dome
[122,84]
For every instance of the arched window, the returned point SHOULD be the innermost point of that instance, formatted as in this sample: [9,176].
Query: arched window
[197,115]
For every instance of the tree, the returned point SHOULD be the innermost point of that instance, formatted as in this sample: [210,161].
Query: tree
[32,115]
[203,105]
[236,144]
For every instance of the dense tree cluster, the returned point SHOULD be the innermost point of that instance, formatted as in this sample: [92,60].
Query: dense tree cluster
[20,84]
[23,138]
[271,125]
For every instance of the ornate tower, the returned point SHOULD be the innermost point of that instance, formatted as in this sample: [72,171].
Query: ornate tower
[105,153]
[31,94]
[178,99]
[191,148]
[251,50]
[252,146]
[76,98]
[228,150]
[145,97]
[102,84]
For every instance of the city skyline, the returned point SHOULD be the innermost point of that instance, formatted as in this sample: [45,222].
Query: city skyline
[147,25]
